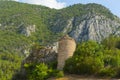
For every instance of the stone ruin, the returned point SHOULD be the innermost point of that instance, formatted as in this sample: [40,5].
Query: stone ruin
[60,51]
[66,48]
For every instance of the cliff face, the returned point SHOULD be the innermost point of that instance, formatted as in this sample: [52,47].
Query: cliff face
[91,27]
[87,22]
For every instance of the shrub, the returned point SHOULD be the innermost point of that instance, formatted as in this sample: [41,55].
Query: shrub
[81,65]
[88,59]
[89,48]
[118,72]
[60,74]
[107,72]
[41,71]
[37,71]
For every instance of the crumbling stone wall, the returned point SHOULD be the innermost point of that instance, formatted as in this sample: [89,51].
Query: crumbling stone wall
[40,55]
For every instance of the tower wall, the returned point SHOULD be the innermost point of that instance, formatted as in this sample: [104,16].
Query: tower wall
[66,49]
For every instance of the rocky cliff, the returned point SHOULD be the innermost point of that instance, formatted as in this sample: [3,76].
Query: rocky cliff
[92,27]
[86,22]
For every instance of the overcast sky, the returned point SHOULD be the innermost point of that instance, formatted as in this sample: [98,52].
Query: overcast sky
[113,5]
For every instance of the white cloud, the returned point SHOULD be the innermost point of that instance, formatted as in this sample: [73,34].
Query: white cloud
[49,3]
[15,0]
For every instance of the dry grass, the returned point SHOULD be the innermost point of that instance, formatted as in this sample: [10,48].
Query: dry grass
[79,77]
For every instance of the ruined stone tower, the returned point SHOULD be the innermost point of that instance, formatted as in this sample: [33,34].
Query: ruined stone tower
[66,48]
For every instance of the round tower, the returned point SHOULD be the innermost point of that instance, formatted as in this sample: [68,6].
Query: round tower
[66,48]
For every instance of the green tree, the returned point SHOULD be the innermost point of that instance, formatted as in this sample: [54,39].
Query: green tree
[37,71]
[88,59]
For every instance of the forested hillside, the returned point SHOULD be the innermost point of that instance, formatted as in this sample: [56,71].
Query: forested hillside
[22,24]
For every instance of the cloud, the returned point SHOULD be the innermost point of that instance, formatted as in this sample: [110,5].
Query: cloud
[14,0]
[49,3]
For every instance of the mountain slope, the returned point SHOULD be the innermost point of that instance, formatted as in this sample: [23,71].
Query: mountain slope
[87,22]
[22,25]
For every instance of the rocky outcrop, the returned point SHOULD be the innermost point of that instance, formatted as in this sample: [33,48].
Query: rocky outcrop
[27,31]
[93,27]
[41,55]
[90,27]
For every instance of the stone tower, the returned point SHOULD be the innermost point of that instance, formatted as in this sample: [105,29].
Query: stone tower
[66,48]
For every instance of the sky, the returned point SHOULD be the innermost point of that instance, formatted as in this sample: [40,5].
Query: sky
[112,5]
